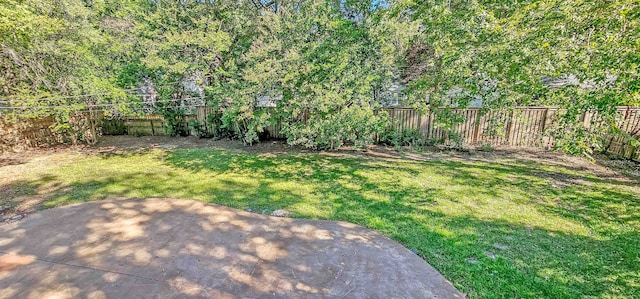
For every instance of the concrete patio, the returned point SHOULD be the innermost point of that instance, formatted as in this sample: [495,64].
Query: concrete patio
[177,248]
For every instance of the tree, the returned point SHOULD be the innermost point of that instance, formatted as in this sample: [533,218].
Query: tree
[581,56]
[323,62]
[322,67]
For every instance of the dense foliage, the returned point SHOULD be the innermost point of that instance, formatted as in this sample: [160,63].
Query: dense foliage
[325,65]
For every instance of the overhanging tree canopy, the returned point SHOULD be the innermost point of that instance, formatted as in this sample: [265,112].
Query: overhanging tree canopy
[323,59]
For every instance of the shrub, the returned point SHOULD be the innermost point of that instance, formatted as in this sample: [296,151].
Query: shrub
[174,124]
[244,122]
[403,137]
[485,147]
[353,125]
[197,128]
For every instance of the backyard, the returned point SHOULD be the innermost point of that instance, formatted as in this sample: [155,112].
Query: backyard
[502,224]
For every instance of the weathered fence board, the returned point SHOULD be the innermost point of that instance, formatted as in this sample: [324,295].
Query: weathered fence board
[629,124]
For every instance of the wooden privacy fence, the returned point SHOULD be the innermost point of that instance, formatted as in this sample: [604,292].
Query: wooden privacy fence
[148,125]
[27,133]
[620,145]
[525,126]
[521,127]
[22,133]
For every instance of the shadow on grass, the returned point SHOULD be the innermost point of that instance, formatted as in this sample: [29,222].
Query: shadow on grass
[446,210]
[538,262]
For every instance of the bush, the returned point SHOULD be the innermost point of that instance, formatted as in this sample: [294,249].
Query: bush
[114,127]
[243,122]
[485,147]
[197,128]
[174,124]
[354,125]
[403,137]
[76,127]
[215,127]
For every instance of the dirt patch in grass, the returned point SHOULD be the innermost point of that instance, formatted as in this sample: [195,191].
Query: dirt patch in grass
[167,142]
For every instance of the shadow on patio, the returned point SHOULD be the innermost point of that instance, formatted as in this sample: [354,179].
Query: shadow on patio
[162,247]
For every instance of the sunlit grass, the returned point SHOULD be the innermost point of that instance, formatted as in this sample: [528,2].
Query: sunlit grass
[502,229]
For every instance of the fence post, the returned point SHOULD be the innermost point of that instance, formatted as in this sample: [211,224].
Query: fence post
[544,120]
[476,133]
[510,126]
[545,124]
[586,121]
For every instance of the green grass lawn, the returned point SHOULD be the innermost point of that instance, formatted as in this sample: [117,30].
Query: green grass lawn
[497,229]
